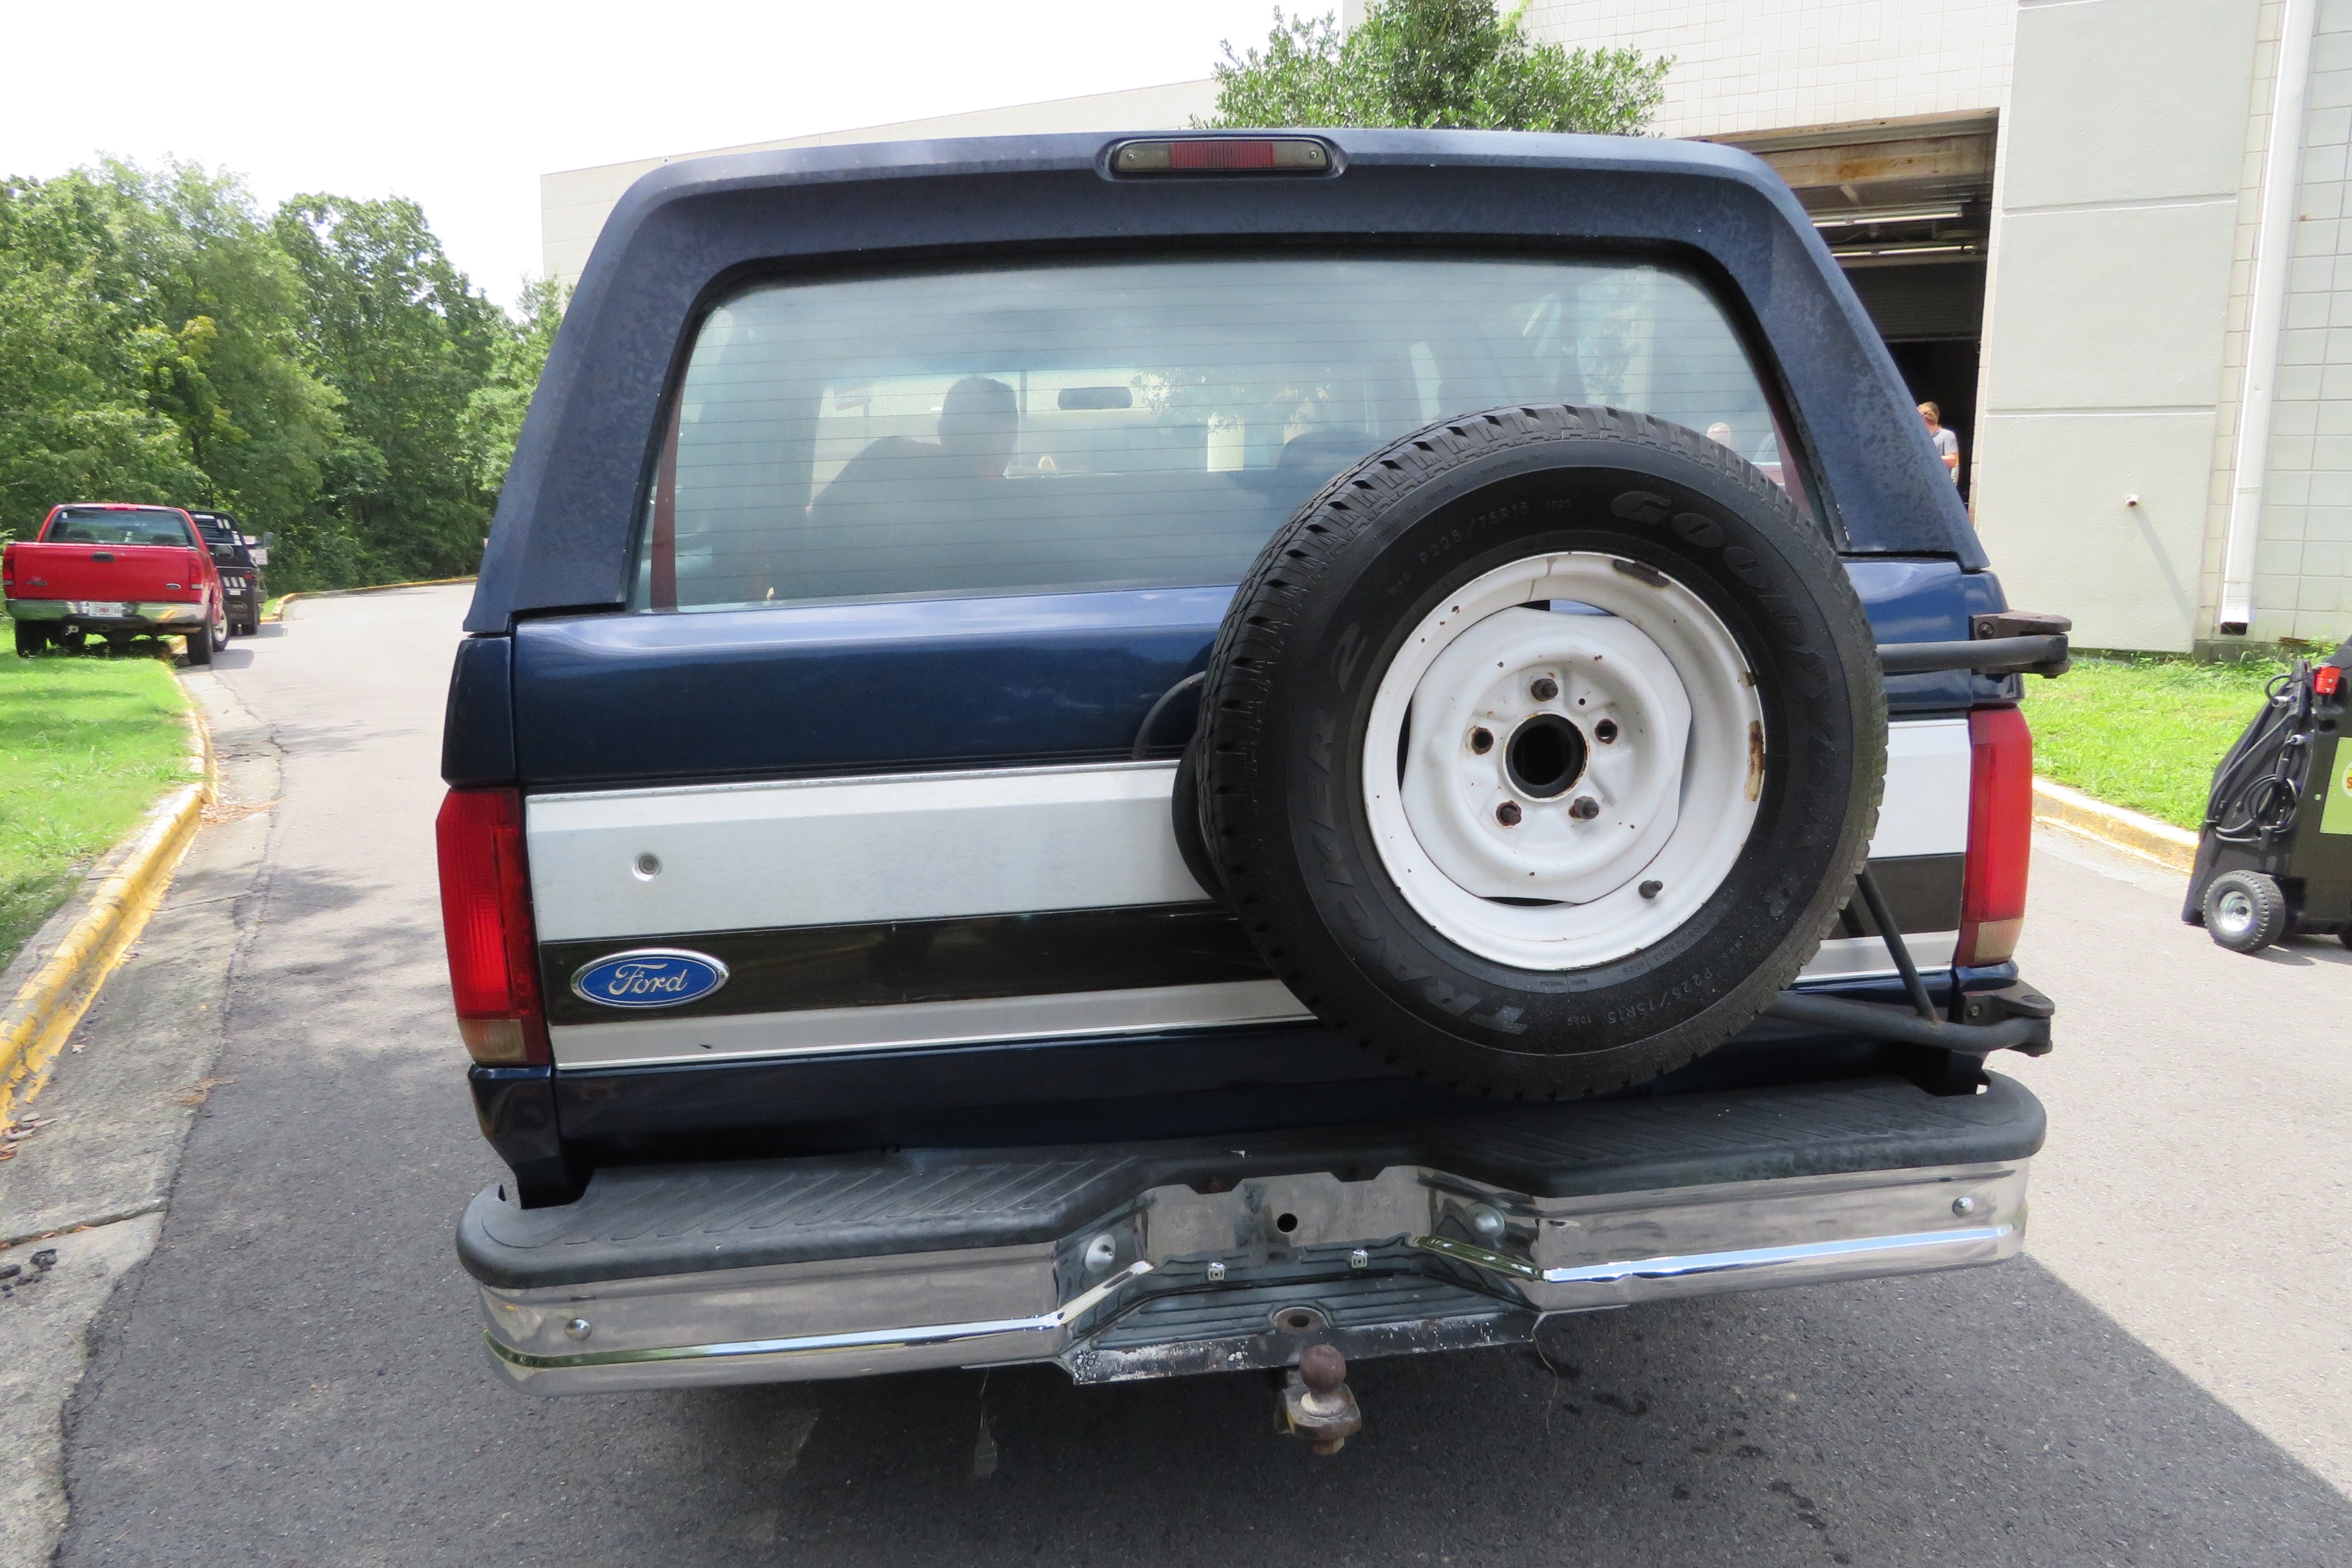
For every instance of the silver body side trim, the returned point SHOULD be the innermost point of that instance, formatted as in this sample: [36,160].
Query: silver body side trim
[853,851]
[812,852]
[1926,809]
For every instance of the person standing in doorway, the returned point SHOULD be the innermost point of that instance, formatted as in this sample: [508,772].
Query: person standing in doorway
[1948,445]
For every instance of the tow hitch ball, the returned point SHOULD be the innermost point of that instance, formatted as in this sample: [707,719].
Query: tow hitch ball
[1316,1403]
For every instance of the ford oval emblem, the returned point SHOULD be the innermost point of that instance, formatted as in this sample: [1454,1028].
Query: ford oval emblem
[648,977]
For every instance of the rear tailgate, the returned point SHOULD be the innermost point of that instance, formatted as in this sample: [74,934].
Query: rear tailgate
[120,573]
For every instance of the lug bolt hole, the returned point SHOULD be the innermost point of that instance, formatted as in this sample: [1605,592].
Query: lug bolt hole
[1543,689]
[1482,740]
[1507,814]
[646,867]
[1584,808]
[1605,732]
[1285,1223]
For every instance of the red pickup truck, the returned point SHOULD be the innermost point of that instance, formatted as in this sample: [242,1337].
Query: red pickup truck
[117,572]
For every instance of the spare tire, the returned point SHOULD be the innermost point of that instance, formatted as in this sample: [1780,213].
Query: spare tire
[1539,750]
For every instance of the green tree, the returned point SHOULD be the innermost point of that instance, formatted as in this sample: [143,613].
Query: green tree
[75,424]
[226,359]
[1435,64]
[406,339]
[494,412]
[162,293]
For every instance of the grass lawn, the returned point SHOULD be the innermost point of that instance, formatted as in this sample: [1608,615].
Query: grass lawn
[87,742]
[2143,731]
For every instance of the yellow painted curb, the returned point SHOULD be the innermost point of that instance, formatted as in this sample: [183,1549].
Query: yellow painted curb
[128,885]
[286,599]
[2174,848]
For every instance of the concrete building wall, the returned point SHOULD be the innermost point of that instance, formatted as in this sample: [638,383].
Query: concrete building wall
[2303,578]
[574,202]
[1763,65]
[2118,206]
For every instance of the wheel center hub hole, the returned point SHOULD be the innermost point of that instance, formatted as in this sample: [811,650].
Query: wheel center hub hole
[1546,755]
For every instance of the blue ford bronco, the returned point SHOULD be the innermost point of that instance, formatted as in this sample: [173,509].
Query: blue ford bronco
[1197,752]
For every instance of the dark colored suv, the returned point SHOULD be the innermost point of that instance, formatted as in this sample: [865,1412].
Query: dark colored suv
[240,558]
[1190,751]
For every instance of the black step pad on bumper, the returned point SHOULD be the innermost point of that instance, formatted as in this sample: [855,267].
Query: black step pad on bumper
[639,1222]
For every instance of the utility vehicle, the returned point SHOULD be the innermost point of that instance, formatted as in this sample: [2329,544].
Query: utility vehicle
[1192,752]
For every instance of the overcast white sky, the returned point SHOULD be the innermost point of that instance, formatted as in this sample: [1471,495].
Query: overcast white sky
[462,106]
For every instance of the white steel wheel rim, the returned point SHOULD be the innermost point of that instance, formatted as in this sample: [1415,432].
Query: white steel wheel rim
[1670,799]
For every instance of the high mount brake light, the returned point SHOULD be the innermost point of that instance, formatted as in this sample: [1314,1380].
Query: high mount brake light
[1221,155]
[485,920]
[2001,834]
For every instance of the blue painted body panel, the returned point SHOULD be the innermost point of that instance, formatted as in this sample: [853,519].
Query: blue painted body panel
[957,683]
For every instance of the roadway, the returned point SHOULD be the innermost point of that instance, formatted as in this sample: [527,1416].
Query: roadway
[294,1376]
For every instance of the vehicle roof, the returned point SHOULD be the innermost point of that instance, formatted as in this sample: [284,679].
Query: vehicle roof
[688,232]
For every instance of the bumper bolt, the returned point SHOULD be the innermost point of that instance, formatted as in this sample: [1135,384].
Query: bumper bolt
[1507,814]
[1544,689]
[1359,1258]
[1216,1272]
[1487,1221]
[1964,1206]
[578,1329]
[1585,808]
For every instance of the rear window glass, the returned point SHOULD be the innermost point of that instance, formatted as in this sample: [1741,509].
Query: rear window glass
[106,525]
[1123,425]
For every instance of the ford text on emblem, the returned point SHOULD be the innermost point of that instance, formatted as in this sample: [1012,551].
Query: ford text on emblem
[648,977]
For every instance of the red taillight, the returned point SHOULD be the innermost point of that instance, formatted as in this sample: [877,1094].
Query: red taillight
[2001,834]
[9,566]
[486,918]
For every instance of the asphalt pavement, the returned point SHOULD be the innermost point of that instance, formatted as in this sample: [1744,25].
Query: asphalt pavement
[294,1376]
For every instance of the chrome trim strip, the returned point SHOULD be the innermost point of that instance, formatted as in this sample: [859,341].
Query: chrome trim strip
[1706,1262]
[155,610]
[649,1041]
[1061,1317]
[1864,957]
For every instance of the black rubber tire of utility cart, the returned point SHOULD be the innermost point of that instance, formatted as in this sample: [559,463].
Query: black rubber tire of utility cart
[2268,918]
[1322,614]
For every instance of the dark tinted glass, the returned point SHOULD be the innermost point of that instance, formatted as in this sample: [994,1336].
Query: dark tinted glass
[1123,424]
[105,525]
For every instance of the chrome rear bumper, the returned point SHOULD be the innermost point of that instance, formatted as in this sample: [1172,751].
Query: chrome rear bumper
[1178,1280]
[136,614]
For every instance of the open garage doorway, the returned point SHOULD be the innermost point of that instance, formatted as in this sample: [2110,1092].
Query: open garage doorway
[1904,205]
